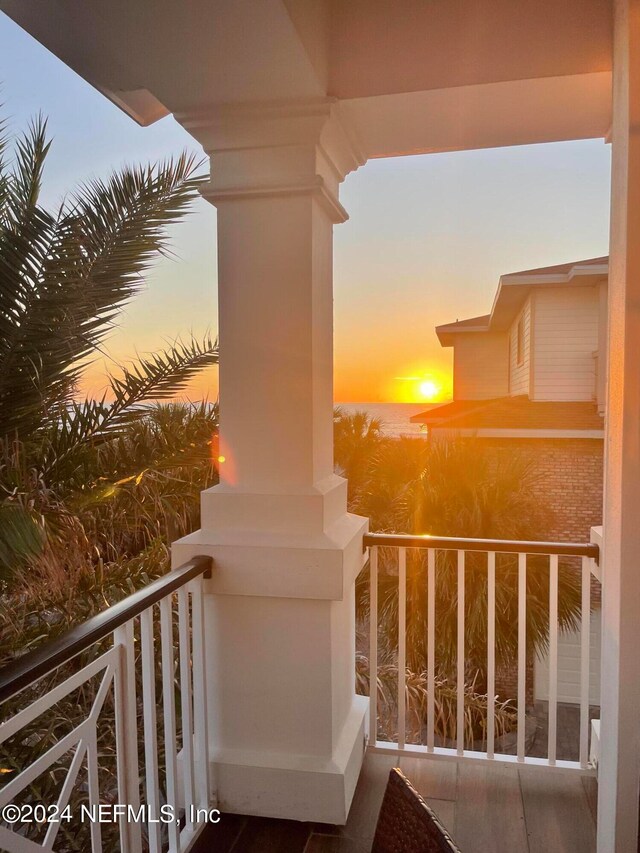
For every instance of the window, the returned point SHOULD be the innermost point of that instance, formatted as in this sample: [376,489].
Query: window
[520,342]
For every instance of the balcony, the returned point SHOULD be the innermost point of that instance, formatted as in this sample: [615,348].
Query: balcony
[143,663]
[487,809]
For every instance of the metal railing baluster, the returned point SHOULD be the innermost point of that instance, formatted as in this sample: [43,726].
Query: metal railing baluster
[491,651]
[553,658]
[402,644]
[495,600]
[200,728]
[431,646]
[169,709]
[522,653]
[373,646]
[460,657]
[585,642]
[150,729]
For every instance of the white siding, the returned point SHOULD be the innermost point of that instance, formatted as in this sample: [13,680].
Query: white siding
[565,338]
[601,357]
[480,366]
[569,666]
[519,373]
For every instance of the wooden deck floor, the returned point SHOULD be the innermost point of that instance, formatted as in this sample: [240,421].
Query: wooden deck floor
[487,809]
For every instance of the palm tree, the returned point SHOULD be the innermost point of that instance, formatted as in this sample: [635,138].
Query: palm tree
[461,489]
[386,494]
[65,275]
[356,437]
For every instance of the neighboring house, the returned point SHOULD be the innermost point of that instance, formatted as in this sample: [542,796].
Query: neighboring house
[530,377]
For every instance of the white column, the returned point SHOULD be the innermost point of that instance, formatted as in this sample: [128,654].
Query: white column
[619,767]
[287,729]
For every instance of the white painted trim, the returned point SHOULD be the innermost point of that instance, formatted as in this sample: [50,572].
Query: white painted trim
[597,539]
[317,188]
[522,433]
[443,753]
[458,329]
[514,112]
[555,278]
[532,344]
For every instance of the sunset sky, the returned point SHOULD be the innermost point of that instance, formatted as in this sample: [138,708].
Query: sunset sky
[427,240]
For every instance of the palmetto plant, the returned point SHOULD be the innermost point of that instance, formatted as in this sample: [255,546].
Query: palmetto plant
[356,438]
[445,702]
[466,490]
[461,489]
[65,275]
[387,492]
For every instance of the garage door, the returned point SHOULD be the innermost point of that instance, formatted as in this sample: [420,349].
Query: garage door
[569,667]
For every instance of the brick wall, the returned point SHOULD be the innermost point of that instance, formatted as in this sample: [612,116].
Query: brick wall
[570,482]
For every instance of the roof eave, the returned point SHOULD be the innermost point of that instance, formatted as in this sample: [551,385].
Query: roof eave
[513,291]
[501,319]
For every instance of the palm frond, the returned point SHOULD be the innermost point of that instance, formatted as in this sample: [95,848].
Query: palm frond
[65,277]
[21,537]
[161,375]
[31,152]
[91,422]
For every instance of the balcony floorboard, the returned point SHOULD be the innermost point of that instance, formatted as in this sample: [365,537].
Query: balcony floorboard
[487,809]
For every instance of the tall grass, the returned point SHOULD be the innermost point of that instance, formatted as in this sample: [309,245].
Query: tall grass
[103,534]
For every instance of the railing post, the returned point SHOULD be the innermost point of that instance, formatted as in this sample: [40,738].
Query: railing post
[373,646]
[585,649]
[522,652]
[201,733]
[169,711]
[431,647]
[184,643]
[460,654]
[553,657]
[127,736]
[150,729]
[491,651]
[402,645]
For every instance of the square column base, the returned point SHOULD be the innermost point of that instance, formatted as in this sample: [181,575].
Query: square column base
[286,728]
[295,787]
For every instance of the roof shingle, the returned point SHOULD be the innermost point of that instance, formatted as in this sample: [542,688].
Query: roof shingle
[512,413]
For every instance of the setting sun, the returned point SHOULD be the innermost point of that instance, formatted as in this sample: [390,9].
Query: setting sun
[429,390]
[421,386]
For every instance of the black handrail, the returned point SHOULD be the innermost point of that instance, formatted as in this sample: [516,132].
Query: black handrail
[30,667]
[502,546]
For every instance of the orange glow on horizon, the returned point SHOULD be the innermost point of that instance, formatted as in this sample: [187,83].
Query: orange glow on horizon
[382,379]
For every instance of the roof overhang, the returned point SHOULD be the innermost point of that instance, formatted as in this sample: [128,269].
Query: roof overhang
[448,332]
[597,434]
[540,73]
[515,288]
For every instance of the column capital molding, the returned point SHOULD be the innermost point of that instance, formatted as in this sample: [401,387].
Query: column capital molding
[317,189]
[316,124]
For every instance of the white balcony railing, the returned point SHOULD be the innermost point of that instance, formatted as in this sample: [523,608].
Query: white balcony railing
[431,555]
[152,706]
[110,679]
